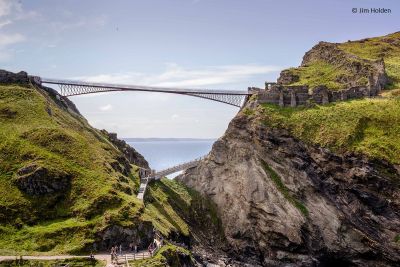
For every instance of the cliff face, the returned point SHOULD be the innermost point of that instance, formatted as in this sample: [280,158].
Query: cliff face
[285,201]
[130,153]
[66,187]
[372,62]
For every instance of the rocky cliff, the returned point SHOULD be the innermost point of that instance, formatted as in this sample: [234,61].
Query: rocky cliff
[316,185]
[130,153]
[285,201]
[66,187]
[344,65]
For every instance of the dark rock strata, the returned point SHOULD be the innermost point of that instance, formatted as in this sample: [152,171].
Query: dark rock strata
[20,78]
[38,180]
[130,153]
[291,203]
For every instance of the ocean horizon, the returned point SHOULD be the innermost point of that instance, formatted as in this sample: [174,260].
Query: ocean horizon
[162,153]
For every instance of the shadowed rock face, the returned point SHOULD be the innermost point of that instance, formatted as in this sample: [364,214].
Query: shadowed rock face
[287,202]
[130,153]
[356,68]
[20,78]
[38,180]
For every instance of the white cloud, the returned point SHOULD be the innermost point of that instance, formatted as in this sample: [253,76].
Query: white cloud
[9,39]
[174,116]
[11,11]
[6,6]
[176,76]
[4,23]
[70,22]
[106,107]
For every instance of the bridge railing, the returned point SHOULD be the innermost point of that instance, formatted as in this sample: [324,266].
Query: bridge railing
[72,88]
[158,175]
[180,167]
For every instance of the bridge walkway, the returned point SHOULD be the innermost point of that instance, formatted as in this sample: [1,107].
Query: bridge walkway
[158,175]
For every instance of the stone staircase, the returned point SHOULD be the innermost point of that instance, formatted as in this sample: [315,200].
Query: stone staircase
[142,188]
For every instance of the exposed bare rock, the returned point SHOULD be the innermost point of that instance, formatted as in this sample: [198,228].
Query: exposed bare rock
[358,71]
[38,180]
[141,236]
[291,203]
[130,153]
[20,78]
[287,77]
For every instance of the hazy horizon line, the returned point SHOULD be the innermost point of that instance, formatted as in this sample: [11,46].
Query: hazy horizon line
[167,139]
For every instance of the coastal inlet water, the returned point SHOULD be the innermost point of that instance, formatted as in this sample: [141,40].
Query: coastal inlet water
[165,153]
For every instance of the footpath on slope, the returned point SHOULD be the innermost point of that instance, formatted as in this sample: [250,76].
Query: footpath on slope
[143,254]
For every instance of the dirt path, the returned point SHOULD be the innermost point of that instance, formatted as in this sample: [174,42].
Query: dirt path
[102,256]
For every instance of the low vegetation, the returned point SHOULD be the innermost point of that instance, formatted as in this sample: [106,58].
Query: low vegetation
[283,189]
[355,66]
[168,255]
[319,73]
[36,131]
[366,126]
[386,47]
[76,262]
[171,206]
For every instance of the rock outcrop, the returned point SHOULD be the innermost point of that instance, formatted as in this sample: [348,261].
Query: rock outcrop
[351,70]
[292,204]
[20,78]
[38,180]
[130,153]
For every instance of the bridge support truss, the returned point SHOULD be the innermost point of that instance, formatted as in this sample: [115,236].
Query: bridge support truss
[73,88]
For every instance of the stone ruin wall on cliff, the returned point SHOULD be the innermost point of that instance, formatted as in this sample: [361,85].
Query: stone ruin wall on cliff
[286,95]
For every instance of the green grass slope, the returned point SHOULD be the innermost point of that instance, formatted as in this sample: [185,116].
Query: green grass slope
[346,59]
[34,130]
[76,262]
[386,47]
[366,126]
[168,255]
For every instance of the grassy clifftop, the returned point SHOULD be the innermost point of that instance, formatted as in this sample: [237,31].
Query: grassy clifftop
[64,185]
[366,126]
[339,66]
[386,47]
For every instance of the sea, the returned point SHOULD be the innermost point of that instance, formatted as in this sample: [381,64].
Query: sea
[162,153]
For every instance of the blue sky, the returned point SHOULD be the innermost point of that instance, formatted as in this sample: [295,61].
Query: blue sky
[195,43]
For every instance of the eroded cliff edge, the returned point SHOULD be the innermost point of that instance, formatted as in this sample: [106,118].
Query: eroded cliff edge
[284,200]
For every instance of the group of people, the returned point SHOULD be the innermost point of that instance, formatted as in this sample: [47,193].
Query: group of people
[157,243]
[115,250]
[133,247]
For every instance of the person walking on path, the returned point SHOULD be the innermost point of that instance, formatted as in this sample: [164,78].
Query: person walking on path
[112,254]
[120,249]
[115,251]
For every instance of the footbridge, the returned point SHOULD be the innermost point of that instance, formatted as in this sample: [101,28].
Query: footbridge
[73,88]
[150,175]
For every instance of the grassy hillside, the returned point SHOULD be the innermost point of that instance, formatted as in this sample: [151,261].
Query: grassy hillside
[366,126]
[335,65]
[319,73]
[386,47]
[76,262]
[168,255]
[99,191]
